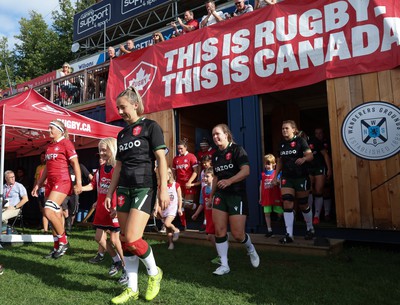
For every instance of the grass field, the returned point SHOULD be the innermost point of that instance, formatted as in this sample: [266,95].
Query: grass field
[358,275]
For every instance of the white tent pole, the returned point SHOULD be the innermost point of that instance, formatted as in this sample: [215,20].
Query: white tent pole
[3,145]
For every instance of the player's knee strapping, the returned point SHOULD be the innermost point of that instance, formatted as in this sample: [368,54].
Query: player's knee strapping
[288,210]
[302,201]
[287,197]
[50,204]
[138,247]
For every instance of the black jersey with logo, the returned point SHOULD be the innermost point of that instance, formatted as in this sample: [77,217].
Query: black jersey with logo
[227,163]
[316,146]
[136,145]
[289,152]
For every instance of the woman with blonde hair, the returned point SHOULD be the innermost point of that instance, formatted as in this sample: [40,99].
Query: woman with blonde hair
[139,144]
[59,154]
[105,220]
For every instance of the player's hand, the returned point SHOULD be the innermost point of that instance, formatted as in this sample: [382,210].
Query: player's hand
[163,199]
[224,183]
[113,213]
[34,192]
[77,189]
[107,204]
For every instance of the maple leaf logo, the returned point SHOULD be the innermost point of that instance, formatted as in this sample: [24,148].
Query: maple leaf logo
[141,80]
[141,77]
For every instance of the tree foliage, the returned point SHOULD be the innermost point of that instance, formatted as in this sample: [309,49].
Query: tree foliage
[6,64]
[42,48]
[36,42]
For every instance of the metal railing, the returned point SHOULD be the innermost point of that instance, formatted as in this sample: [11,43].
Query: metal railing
[82,87]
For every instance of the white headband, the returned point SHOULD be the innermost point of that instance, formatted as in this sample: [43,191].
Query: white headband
[57,126]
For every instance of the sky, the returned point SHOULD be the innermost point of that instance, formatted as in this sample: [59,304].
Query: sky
[11,12]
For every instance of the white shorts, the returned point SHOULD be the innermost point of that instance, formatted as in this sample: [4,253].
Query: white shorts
[171,210]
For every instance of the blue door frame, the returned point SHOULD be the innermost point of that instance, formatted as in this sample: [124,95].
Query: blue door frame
[244,122]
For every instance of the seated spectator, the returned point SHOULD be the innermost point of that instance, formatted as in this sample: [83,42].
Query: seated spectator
[190,24]
[68,88]
[130,47]
[158,37]
[111,53]
[262,3]
[213,16]
[15,196]
[242,8]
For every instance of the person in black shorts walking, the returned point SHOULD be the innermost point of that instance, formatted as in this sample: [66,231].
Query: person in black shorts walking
[294,154]
[139,145]
[231,168]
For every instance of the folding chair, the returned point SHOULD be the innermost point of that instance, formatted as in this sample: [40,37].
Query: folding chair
[20,218]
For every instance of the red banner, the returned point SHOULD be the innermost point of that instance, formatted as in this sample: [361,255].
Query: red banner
[38,81]
[292,44]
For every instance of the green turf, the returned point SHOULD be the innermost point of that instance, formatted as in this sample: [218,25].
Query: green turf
[358,275]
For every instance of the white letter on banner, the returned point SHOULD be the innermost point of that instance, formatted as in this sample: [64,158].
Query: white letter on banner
[243,71]
[310,23]
[264,31]
[226,47]
[241,43]
[183,81]
[197,52]
[314,53]
[211,78]
[337,46]
[361,8]
[170,56]
[259,63]
[372,39]
[196,79]
[226,77]
[185,56]
[168,80]
[292,28]
[336,16]
[390,25]
[286,59]
[210,49]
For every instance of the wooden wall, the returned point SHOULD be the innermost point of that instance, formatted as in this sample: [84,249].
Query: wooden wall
[166,120]
[367,193]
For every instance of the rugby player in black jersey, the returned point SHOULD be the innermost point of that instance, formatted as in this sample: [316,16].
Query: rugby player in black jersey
[139,145]
[293,154]
[231,167]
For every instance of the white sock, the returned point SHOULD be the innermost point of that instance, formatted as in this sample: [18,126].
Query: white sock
[116,258]
[222,249]
[132,268]
[308,218]
[289,220]
[249,246]
[327,206]
[318,205]
[150,263]
[310,200]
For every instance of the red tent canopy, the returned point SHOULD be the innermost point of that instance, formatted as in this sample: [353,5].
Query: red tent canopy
[26,119]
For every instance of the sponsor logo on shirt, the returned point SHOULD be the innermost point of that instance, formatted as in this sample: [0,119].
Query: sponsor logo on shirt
[223,168]
[288,152]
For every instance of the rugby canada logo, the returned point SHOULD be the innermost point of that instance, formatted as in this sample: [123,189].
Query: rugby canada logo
[137,130]
[141,77]
[42,106]
[372,130]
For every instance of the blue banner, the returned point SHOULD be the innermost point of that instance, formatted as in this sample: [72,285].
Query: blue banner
[109,13]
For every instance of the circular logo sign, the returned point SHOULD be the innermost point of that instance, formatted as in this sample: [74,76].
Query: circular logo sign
[372,130]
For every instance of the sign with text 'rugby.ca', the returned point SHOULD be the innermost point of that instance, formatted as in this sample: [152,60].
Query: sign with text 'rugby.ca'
[289,45]
[111,12]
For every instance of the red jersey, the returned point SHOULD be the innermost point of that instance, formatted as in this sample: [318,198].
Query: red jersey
[206,191]
[194,23]
[58,156]
[184,167]
[270,194]
[209,152]
[101,181]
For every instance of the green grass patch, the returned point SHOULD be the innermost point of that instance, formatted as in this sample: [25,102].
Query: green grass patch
[358,275]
